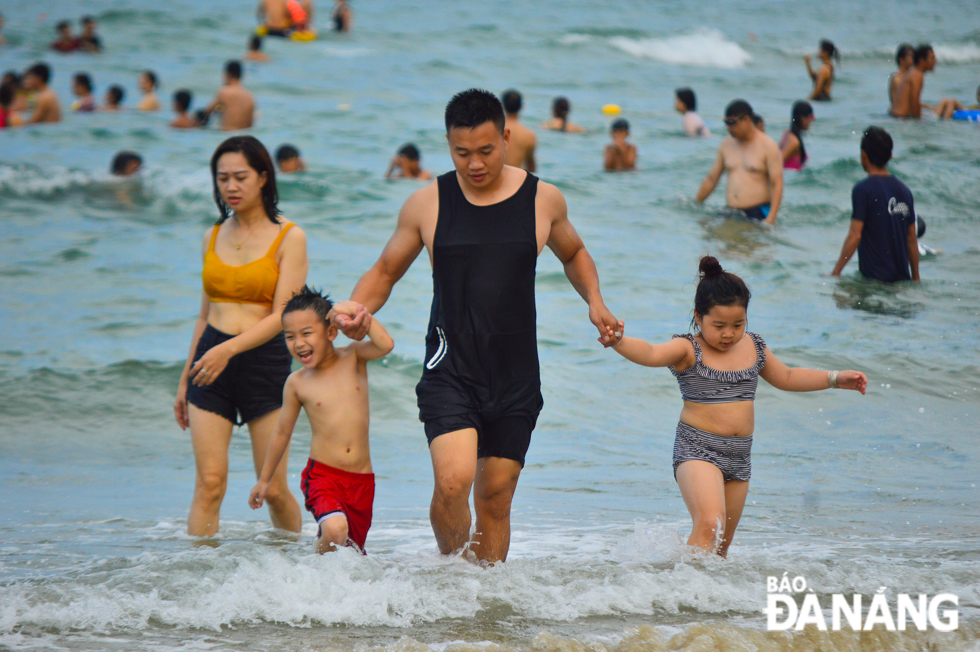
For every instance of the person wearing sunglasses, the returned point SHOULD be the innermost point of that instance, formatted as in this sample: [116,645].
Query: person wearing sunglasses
[754,165]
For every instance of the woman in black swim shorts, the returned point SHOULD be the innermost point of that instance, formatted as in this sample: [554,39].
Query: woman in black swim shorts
[254,261]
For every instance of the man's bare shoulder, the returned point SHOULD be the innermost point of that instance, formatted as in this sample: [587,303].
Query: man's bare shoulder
[768,144]
[550,198]
[421,204]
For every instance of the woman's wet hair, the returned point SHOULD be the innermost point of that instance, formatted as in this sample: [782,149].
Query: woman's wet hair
[561,107]
[877,144]
[902,52]
[687,98]
[257,157]
[716,287]
[801,109]
[472,108]
[309,298]
[830,49]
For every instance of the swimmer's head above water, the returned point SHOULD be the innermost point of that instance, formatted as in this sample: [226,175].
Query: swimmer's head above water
[182,100]
[126,163]
[288,158]
[512,102]
[905,55]
[685,100]
[829,51]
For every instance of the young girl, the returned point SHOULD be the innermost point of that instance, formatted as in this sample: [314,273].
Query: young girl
[718,370]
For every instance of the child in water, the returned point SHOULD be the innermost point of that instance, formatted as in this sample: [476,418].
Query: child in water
[718,370]
[338,481]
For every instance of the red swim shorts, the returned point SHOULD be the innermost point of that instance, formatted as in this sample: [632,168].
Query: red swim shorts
[327,489]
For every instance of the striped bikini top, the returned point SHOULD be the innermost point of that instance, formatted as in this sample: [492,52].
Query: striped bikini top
[700,383]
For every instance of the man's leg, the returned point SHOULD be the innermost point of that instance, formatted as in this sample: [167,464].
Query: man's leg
[454,468]
[496,481]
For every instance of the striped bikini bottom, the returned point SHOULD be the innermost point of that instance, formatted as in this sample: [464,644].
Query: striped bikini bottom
[731,454]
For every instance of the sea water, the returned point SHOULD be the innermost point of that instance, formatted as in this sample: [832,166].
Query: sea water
[100,284]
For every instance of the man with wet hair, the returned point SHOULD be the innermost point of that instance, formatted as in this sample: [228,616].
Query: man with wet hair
[883,225]
[520,148]
[483,226]
[125,164]
[237,106]
[407,164]
[754,166]
[47,108]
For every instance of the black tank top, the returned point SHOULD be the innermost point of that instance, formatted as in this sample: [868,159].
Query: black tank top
[482,332]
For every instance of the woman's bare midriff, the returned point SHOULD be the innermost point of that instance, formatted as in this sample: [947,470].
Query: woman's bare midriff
[236,318]
[734,419]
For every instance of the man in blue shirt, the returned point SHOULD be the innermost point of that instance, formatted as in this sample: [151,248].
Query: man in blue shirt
[883,229]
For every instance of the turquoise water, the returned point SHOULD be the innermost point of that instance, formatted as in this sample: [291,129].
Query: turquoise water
[99,297]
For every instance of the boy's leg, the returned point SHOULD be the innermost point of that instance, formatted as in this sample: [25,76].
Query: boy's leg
[703,489]
[454,468]
[735,493]
[284,511]
[210,436]
[333,532]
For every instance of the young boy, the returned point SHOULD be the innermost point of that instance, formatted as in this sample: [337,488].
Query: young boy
[113,99]
[332,387]
[182,103]
[289,159]
[407,164]
[620,155]
[883,225]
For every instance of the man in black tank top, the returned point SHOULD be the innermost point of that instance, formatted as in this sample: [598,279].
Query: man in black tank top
[484,225]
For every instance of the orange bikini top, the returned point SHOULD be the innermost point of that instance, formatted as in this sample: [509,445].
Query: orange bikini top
[253,282]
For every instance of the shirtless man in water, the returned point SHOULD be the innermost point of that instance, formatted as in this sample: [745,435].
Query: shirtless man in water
[480,392]
[236,105]
[754,165]
[46,108]
[925,61]
[898,83]
[520,150]
[275,17]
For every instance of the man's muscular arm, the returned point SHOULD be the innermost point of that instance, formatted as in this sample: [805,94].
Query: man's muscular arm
[404,246]
[580,269]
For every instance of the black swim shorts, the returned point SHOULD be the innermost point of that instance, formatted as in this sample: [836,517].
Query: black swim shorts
[250,386]
[447,405]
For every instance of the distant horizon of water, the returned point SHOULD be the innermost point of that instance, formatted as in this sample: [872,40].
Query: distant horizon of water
[855,493]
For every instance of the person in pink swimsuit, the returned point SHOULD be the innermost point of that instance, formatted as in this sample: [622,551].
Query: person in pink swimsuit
[791,144]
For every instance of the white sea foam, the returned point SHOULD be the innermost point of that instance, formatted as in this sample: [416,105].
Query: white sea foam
[951,54]
[554,575]
[702,47]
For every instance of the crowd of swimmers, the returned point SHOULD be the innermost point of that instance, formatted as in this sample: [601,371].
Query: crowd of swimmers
[255,264]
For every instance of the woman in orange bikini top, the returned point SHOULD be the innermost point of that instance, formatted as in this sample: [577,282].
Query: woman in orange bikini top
[254,261]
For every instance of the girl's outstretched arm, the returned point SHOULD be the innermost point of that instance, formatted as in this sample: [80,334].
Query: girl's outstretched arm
[798,379]
[670,353]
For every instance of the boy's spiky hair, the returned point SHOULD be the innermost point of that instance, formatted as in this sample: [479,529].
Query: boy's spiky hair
[309,298]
